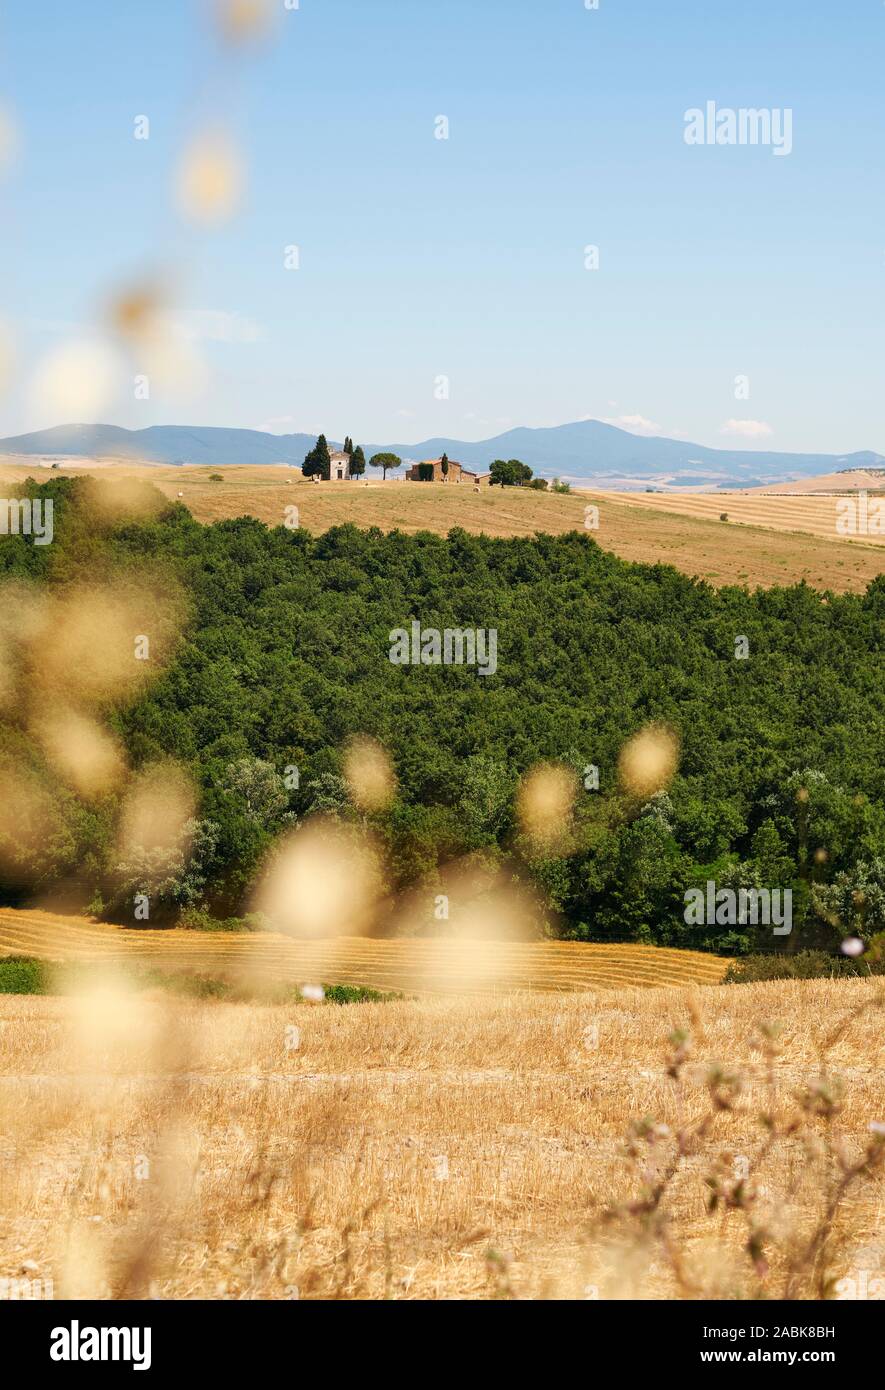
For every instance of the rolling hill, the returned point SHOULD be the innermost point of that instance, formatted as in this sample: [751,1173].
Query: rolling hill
[778,539]
[586,449]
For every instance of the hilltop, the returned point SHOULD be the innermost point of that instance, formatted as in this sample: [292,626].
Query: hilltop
[767,540]
[584,449]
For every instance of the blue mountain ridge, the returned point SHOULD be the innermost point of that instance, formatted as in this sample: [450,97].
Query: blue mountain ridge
[586,449]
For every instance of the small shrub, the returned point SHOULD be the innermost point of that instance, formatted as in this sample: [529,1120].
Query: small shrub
[198,919]
[96,907]
[215,478]
[191,986]
[806,965]
[723,516]
[256,921]
[23,975]
[357,994]
[876,951]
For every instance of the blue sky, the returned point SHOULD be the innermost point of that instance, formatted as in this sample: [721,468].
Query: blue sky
[464,258]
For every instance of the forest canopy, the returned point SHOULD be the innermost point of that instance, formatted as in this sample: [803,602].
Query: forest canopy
[279,654]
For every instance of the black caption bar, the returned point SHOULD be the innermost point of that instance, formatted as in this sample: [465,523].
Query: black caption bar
[147,1338]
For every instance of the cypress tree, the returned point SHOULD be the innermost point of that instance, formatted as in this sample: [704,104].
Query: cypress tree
[318,461]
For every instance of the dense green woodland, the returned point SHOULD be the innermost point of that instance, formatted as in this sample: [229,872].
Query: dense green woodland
[285,655]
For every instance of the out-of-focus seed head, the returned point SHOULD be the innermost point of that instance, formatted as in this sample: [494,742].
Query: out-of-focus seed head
[210,179]
[100,642]
[648,761]
[323,881]
[85,755]
[242,21]
[115,501]
[28,815]
[544,803]
[157,806]
[369,774]
[76,381]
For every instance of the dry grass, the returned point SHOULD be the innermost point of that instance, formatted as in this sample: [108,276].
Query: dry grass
[407,964]
[809,514]
[770,540]
[442,1148]
[870,480]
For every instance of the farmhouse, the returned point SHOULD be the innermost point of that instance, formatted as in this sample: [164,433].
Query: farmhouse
[433,471]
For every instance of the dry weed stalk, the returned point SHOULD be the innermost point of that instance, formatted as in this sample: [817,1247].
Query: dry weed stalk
[793,1264]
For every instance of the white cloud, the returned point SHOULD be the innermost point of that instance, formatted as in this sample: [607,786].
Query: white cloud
[636,424]
[747,429]
[278,424]
[216,326]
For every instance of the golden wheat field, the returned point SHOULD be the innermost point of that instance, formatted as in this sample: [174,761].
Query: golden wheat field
[527,1146]
[810,514]
[440,965]
[768,540]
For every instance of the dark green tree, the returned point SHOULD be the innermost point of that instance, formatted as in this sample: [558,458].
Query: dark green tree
[509,473]
[317,463]
[385,462]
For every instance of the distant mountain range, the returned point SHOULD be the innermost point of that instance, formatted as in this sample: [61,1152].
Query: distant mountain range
[586,450]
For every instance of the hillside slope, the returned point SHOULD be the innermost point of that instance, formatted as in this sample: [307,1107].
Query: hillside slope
[776,540]
[583,449]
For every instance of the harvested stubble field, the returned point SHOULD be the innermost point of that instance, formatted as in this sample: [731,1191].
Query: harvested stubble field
[407,964]
[437,1148]
[809,514]
[770,540]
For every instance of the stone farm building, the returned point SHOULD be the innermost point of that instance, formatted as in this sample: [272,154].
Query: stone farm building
[339,466]
[431,471]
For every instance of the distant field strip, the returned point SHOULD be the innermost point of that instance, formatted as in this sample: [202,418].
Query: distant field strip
[415,966]
[812,515]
